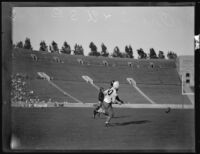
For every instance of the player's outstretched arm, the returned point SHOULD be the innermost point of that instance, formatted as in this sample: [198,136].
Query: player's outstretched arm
[119,100]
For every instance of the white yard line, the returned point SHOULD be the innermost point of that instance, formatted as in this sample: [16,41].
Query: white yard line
[159,106]
[91,105]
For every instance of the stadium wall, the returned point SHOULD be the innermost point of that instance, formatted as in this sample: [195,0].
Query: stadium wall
[159,79]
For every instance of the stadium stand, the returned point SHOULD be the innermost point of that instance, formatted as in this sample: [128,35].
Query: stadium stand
[160,82]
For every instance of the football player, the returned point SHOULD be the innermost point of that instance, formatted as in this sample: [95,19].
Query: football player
[100,98]
[98,107]
[111,97]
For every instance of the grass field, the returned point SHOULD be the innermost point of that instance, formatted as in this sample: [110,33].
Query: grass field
[131,129]
[73,128]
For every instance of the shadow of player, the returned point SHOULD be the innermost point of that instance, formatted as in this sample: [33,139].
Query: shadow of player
[130,123]
[115,117]
[125,116]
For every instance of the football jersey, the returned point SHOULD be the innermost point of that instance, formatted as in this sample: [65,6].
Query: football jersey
[110,95]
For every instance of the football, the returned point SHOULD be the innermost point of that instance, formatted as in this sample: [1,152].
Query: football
[168,110]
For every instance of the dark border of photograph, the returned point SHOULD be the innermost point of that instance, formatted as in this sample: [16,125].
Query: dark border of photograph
[7,69]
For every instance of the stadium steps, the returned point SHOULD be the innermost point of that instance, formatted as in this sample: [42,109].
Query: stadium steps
[161,83]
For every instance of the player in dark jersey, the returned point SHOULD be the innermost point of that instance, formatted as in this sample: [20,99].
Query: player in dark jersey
[98,108]
[100,98]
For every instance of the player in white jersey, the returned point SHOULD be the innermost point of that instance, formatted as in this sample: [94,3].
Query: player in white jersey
[98,107]
[109,99]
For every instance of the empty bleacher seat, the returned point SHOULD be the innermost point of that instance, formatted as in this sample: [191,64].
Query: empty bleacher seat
[130,64]
[187,75]
[137,64]
[188,81]
[152,65]
[105,63]
[113,65]
[156,84]
[34,57]
[58,60]
[80,61]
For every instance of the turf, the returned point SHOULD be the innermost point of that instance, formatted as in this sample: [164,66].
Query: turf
[131,129]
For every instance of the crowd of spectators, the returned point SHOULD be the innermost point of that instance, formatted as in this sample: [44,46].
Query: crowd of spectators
[22,96]
[19,91]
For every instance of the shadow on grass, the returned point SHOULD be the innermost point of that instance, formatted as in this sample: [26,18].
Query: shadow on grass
[125,116]
[115,117]
[130,123]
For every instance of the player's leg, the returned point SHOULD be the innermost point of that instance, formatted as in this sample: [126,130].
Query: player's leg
[95,111]
[110,114]
[103,107]
[100,106]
